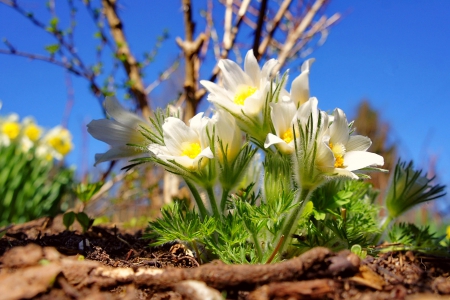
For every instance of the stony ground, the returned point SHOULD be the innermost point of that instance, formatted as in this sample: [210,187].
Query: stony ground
[41,260]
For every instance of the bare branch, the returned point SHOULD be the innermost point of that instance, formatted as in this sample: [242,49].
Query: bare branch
[227,24]
[163,76]
[295,36]
[275,22]
[259,27]
[124,54]
[191,49]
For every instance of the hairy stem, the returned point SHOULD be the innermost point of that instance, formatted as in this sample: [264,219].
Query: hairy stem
[223,201]
[291,221]
[212,199]
[198,199]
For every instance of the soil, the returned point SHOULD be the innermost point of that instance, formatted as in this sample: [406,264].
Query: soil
[42,260]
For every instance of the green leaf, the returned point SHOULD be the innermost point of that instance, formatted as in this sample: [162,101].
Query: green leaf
[68,219]
[52,49]
[84,220]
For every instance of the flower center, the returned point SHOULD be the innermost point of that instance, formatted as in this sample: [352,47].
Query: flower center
[338,152]
[32,132]
[288,136]
[61,145]
[243,93]
[191,150]
[11,129]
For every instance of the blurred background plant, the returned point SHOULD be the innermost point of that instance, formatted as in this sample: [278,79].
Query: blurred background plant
[33,180]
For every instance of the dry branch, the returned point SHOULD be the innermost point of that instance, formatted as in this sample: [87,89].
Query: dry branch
[296,35]
[124,54]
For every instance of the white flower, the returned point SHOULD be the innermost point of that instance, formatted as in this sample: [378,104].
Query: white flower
[58,141]
[9,129]
[243,90]
[300,85]
[31,133]
[229,133]
[284,120]
[349,152]
[120,132]
[186,145]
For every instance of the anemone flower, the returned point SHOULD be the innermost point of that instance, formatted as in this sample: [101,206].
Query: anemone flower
[283,116]
[9,129]
[186,145]
[349,152]
[122,132]
[243,90]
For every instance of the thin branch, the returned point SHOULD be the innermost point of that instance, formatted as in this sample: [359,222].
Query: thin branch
[163,76]
[295,36]
[227,24]
[225,51]
[275,23]
[124,54]
[259,27]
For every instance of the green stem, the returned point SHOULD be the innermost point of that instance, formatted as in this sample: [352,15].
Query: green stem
[223,201]
[258,246]
[383,228]
[291,221]
[212,200]
[198,199]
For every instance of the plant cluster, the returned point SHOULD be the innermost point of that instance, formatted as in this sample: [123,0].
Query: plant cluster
[270,173]
[32,184]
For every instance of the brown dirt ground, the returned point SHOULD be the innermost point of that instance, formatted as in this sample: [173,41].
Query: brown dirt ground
[41,260]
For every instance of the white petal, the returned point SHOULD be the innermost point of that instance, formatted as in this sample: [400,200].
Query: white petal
[114,133]
[345,172]
[251,67]
[358,143]
[120,114]
[339,131]
[253,104]
[176,132]
[117,152]
[233,75]
[283,113]
[221,97]
[267,70]
[306,66]
[356,160]
[272,139]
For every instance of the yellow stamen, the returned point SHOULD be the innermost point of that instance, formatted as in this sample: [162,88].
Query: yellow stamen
[11,129]
[60,144]
[243,93]
[33,132]
[338,152]
[288,136]
[191,150]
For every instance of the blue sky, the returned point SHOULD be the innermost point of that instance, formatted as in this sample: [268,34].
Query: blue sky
[393,53]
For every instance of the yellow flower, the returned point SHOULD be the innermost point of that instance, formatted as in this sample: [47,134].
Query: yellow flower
[60,141]
[448,232]
[33,132]
[11,129]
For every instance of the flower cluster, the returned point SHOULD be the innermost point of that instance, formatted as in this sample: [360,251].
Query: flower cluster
[55,143]
[253,112]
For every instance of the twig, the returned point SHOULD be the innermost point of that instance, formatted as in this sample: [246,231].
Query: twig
[293,38]
[259,27]
[163,76]
[276,21]
[128,60]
